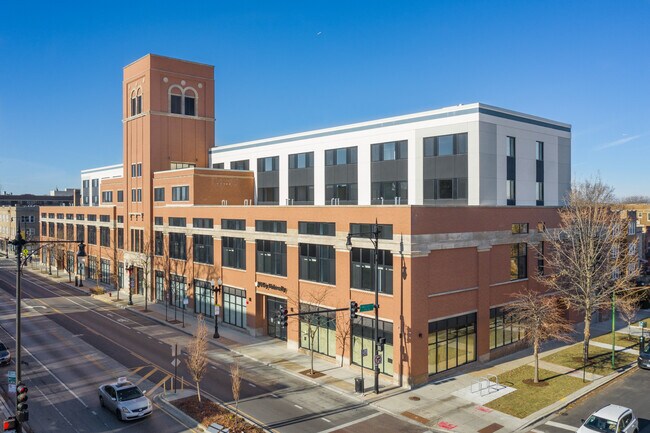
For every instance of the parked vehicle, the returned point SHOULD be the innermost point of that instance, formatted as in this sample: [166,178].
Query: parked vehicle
[5,355]
[125,400]
[644,354]
[611,419]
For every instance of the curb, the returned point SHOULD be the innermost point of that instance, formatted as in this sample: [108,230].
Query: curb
[574,397]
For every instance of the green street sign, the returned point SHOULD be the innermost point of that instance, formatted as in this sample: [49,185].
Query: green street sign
[366,307]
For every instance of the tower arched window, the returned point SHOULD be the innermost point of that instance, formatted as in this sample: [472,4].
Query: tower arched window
[189,97]
[133,104]
[139,101]
[176,100]
[182,101]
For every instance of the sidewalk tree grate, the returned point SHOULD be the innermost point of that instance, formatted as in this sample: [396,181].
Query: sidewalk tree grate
[491,428]
[415,417]
[414,398]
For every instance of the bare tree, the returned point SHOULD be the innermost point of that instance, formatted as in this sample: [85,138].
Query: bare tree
[316,297]
[589,256]
[343,330]
[541,318]
[628,305]
[197,358]
[235,377]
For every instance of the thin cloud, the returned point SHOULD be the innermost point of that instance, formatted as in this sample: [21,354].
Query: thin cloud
[619,142]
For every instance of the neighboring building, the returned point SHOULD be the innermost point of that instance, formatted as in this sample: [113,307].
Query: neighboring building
[38,200]
[464,192]
[91,181]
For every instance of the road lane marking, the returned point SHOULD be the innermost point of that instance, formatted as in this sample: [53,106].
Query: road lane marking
[253,385]
[146,376]
[299,407]
[356,421]
[560,425]
[159,384]
[326,420]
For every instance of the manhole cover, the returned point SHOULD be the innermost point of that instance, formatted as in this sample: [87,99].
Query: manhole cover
[414,398]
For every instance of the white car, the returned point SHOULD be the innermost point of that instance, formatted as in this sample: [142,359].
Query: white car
[125,400]
[611,419]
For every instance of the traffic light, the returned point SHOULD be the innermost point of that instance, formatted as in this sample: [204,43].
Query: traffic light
[284,317]
[354,309]
[22,408]
[9,424]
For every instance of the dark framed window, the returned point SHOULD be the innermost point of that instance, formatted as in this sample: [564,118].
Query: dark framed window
[445,189]
[178,289]
[105,218]
[519,228]
[120,196]
[446,145]
[346,193]
[105,271]
[503,330]
[159,284]
[69,232]
[203,246]
[180,193]
[270,163]
[540,259]
[511,171]
[361,270]
[104,237]
[271,257]
[316,228]
[234,306]
[120,219]
[317,263]
[218,165]
[120,238]
[92,235]
[158,243]
[341,156]
[107,196]
[133,172]
[92,217]
[389,191]
[203,298]
[518,260]
[158,221]
[190,106]
[175,102]
[177,222]
[177,248]
[268,195]
[270,226]
[385,230]
[137,238]
[389,151]
[203,223]
[92,267]
[80,217]
[159,194]
[60,231]
[303,194]
[240,165]
[81,232]
[452,342]
[233,252]
[301,160]
[231,224]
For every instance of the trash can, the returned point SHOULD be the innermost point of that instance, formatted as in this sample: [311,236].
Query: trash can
[358,385]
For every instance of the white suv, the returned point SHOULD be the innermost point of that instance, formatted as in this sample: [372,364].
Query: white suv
[611,419]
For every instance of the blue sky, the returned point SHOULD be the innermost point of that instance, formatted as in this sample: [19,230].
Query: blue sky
[290,66]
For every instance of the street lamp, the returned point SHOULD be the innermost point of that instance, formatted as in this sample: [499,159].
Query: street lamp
[81,263]
[373,235]
[216,289]
[130,269]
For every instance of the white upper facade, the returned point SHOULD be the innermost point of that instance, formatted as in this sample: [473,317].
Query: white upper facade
[91,180]
[477,172]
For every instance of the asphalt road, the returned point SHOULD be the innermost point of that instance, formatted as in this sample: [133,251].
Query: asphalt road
[630,390]
[73,343]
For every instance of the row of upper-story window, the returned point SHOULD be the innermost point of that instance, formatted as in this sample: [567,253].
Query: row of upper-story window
[444,145]
[179,193]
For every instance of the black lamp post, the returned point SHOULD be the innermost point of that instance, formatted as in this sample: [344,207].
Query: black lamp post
[373,236]
[216,289]
[81,263]
[130,269]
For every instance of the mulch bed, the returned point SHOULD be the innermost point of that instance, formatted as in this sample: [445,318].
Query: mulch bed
[207,412]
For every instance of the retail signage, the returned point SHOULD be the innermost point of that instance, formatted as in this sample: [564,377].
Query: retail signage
[271,286]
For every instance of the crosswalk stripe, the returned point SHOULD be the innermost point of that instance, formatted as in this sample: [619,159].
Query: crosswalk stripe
[159,384]
[560,425]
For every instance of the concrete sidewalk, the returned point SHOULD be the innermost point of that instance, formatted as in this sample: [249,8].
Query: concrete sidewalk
[454,403]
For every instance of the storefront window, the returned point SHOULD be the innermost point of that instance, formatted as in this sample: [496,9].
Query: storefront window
[234,306]
[319,329]
[362,338]
[452,342]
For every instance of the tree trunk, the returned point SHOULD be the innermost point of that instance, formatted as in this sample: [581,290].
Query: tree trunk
[342,354]
[536,355]
[587,336]
[198,391]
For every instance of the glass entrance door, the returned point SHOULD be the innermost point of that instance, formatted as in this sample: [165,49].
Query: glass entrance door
[274,329]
